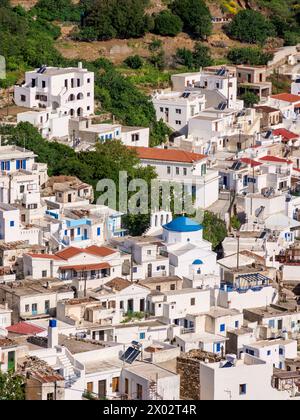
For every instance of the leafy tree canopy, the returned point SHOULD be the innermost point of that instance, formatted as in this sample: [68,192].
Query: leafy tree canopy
[64,10]
[250,99]
[195,16]
[11,387]
[107,19]
[251,26]
[250,56]
[215,230]
[167,24]
[199,57]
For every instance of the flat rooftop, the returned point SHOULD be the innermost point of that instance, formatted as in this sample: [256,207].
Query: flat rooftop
[149,371]
[76,346]
[218,312]
[57,71]
[32,288]
[203,338]
[268,343]
[270,312]
[183,292]
[103,366]
[11,152]
[154,280]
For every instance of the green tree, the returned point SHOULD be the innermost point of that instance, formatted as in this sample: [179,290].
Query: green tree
[107,19]
[167,24]
[195,16]
[64,10]
[215,230]
[11,387]
[134,62]
[184,57]
[199,57]
[251,26]
[235,223]
[250,55]
[250,99]
[202,56]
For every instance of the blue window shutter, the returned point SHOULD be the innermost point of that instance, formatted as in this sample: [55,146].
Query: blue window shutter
[78,231]
[18,164]
[24,164]
[2,166]
[66,232]
[222,328]
[8,166]
[98,231]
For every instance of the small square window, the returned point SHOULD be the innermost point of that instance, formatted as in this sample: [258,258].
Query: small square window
[269,353]
[193,302]
[243,389]
[222,328]
[12,223]
[142,336]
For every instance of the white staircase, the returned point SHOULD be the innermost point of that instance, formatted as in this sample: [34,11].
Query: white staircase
[69,371]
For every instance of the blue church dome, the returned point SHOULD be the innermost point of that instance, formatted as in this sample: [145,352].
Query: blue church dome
[198,262]
[183,224]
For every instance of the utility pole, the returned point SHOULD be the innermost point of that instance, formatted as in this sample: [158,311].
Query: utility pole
[238,236]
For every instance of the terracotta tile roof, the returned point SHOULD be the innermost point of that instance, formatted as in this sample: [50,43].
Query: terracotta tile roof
[285,134]
[100,251]
[167,155]
[85,267]
[287,97]
[118,284]
[23,328]
[67,253]
[267,109]
[275,159]
[251,162]
[45,256]
[296,169]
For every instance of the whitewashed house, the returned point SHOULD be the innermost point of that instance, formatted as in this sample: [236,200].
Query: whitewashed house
[185,168]
[57,94]
[274,352]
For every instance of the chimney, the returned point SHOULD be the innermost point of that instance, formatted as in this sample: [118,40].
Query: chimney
[80,65]
[52,334]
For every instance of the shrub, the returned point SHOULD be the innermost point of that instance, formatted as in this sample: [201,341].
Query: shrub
[199,57]
[167,24]
[134,62]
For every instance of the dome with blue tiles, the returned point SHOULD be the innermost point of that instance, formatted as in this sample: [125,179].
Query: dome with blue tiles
[198,262]
[182,225]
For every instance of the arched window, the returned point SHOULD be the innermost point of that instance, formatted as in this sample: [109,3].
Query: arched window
[72,112]
[71,98]
[80,96]
[80,112]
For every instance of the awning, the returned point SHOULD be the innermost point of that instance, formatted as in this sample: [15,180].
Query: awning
[86,267]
